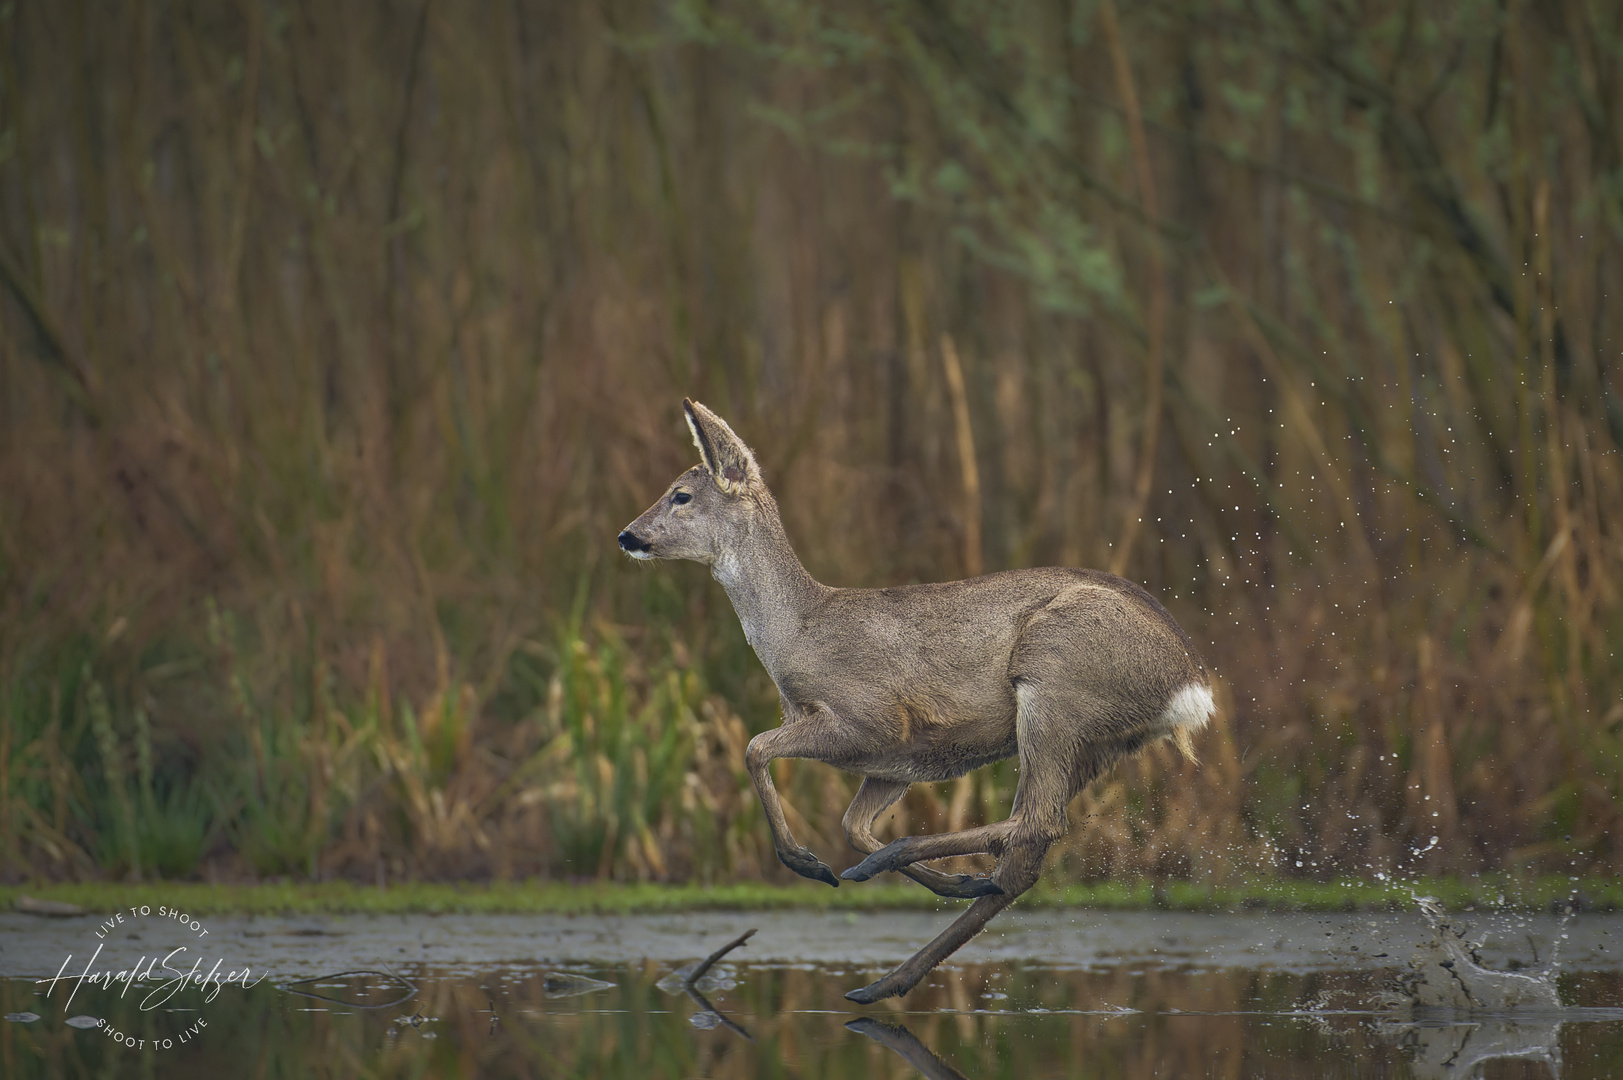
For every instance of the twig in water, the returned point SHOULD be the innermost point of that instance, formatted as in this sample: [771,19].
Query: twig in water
[705,965]
[687,980]
[707,1009]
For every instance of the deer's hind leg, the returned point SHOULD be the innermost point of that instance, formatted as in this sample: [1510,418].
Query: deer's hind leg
[1017,870]
[1048,779]
[873,798]
[1054,765]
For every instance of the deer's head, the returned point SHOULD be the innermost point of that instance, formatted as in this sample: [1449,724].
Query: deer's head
[709,509]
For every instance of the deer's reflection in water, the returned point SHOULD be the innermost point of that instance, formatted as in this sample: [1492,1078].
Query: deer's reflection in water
[739,1020]
[906,1046]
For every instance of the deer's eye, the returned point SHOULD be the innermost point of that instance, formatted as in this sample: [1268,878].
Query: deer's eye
[681,498]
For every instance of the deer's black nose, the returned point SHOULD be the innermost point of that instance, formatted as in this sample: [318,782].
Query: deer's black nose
[630,541]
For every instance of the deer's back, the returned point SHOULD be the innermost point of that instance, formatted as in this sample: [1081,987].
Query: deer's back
[930,669]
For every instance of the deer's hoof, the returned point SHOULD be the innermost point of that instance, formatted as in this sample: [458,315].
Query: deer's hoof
[808,865]
[875,991]
[966,887]
[888,857]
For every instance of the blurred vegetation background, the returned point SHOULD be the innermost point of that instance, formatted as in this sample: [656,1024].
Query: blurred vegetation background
[337,342]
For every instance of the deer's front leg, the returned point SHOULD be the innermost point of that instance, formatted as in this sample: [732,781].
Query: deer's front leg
[793,739]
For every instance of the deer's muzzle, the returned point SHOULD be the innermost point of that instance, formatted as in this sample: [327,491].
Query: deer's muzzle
[635,546]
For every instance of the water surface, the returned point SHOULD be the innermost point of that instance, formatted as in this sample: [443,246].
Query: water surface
[1046,994]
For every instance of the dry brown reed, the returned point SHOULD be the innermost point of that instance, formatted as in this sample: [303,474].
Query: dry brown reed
[337,341]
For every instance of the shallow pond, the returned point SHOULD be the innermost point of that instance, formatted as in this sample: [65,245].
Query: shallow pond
[1040,994]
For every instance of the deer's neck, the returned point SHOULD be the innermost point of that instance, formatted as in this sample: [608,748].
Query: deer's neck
[770,590]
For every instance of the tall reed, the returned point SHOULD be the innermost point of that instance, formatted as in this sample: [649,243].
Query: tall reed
[336,344]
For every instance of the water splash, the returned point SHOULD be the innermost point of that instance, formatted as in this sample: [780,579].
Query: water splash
[1447,975]
[1453,1015]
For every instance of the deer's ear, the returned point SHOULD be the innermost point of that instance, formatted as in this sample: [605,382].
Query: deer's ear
[707,453]
[725,457]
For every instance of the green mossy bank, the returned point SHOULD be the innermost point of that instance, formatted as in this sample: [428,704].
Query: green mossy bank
[1542,894]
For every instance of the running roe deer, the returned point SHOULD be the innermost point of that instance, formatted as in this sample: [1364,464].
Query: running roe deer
[1070,669]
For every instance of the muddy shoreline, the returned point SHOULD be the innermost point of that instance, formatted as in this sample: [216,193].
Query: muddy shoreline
[300,946]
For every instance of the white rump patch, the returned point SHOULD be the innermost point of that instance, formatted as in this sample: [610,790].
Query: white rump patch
[1190,709]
